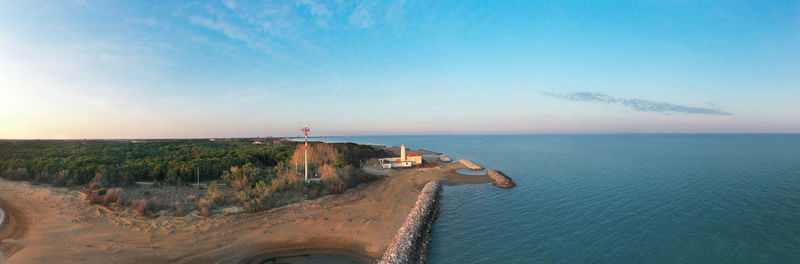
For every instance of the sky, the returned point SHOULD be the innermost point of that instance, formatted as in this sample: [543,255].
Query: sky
[185,69]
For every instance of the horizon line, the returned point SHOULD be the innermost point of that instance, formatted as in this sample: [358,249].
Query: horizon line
[415,135]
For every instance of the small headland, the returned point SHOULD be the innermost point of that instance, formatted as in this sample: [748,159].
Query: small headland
[470,165]
[410,244]
[500,179]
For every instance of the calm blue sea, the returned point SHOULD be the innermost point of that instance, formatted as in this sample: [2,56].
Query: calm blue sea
[620,199]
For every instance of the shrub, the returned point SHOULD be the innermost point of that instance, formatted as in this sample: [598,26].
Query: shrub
[176,206]
[42,177]
[95,186]
[98,180]
[61,179]
[334,185]
[214,194]
[114,198]
[353,177]
[328,172]
[287,181]
[16,174]
[95,196]
[318,153]
[245,177]
[144,208]
[204,205]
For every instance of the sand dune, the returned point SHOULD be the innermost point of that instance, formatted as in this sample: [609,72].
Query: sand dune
[56,225]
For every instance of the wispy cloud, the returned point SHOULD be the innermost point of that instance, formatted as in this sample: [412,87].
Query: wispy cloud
[640,105]
[231,4]
[361,17]
[396,10]
[226,28]
[317,9]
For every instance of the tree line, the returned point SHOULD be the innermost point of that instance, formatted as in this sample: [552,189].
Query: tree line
[122,162]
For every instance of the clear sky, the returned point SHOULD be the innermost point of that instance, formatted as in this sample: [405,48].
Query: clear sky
[131,69]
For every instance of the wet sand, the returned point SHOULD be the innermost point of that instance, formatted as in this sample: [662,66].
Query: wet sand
[2,219]
[56,225]
[330,256]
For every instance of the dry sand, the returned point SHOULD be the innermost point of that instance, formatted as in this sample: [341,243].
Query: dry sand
[57,225]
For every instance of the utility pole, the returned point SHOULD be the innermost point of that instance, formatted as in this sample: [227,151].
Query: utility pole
[197,172]
[305,132]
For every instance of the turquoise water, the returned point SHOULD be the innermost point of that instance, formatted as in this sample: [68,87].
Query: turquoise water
[620,199]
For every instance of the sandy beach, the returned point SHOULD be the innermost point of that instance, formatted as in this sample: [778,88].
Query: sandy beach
[57,225]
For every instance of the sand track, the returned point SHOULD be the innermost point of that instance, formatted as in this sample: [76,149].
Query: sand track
[56,225]
[12,228]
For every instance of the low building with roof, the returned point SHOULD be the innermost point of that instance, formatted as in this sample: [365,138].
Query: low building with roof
[404,161]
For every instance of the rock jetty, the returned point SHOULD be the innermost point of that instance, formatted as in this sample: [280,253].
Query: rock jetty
[410,244]
[470,165]
[500,179]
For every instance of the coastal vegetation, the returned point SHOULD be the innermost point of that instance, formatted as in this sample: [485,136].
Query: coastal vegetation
[237,173]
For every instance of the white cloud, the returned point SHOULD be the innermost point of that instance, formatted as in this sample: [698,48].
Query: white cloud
[396,10]
[228,29]
[231,4]
[361,16]
[316,9]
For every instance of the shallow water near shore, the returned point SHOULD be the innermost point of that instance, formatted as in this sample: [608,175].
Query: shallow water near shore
[304,256]
[310,259]
[619,199]
[471,172]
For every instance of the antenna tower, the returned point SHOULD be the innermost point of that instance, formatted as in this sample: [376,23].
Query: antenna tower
[305,130]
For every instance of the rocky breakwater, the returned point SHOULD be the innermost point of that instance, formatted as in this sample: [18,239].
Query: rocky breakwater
[410,244]
[500,179]
[470,165]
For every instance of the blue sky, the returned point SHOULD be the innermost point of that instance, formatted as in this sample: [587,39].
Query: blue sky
[125,69]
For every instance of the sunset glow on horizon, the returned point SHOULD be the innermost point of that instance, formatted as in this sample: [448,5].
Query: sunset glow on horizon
[116,69]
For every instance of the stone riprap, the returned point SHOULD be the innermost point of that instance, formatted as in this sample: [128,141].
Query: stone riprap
[500,179]
[410,244]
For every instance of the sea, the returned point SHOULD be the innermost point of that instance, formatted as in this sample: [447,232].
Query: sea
[628,198]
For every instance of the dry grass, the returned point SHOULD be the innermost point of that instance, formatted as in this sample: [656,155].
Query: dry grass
[145,208]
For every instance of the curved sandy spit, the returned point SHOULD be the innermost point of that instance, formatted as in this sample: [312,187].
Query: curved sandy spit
[470,165]
[58,226]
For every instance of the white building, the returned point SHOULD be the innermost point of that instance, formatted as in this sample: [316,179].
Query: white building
[404,161]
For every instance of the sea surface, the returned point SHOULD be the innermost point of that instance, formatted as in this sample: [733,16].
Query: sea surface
[619,199]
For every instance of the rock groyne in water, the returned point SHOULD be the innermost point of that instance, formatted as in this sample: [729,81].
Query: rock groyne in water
[500,179]
[410,244]
[470,165]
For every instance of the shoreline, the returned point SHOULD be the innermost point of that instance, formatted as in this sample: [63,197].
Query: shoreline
[2,219]
[12,227]
[319,253]
[360,222]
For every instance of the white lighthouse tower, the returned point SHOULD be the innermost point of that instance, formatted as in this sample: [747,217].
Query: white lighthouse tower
[402,152]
